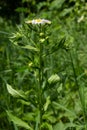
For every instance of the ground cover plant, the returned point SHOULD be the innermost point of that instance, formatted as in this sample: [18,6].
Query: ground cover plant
[43,68]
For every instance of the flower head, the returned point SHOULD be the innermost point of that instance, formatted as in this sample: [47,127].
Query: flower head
[38,21]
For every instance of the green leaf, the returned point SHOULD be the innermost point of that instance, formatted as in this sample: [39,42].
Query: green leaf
[59,126]
[24,102]
[66,11]
[37,119]
[21,9]
[69,125]
[30,48]
[59,106]
[49,116]
[53,79]
[82,97]
[47,103]
[56,4]
[18,121]
[29,116]
[54,48]
[15,93]
[46,126]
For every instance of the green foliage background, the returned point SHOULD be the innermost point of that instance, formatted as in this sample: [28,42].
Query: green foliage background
[65,100]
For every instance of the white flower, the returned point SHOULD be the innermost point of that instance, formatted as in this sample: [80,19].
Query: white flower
[38,21]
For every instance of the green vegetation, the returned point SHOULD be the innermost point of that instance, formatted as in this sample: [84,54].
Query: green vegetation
[43,67]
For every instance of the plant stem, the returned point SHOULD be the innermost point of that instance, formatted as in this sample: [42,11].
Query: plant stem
[40,83]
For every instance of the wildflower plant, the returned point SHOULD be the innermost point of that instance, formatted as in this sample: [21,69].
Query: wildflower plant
[36,102]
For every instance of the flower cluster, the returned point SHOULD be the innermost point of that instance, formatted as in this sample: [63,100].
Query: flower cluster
[38,21]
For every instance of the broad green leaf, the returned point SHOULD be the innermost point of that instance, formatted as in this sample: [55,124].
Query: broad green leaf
[18,121]
[59,126]
[53,79]
[15,93]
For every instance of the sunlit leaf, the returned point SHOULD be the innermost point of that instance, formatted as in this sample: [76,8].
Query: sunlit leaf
[53,79]
[15,93]
[47,103]
[30,48]
[24,102]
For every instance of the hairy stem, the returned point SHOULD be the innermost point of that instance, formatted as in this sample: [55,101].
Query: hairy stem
[40,83]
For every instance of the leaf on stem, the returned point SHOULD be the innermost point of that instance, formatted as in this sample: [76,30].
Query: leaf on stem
[47,103]
[18,121]
[47,126]
[53,79]
[15,93]
[30,48]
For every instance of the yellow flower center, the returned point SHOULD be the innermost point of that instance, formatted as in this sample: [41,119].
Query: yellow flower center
[38,20]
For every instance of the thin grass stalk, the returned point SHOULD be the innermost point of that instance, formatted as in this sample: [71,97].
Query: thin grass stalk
[74,71]
[81,95]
